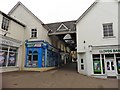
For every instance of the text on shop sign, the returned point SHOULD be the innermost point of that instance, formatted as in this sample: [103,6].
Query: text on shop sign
[110,51]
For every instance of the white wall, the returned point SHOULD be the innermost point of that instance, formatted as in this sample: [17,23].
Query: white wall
[31,22]
[17,32]
[90,30]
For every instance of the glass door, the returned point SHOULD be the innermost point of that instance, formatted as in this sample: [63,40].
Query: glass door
[110,67]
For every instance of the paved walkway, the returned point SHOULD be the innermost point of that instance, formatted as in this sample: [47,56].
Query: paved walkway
[65,77]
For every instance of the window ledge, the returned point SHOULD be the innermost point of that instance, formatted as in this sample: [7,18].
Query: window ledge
[98,75]
[5,31]
[109,37]
[33,38]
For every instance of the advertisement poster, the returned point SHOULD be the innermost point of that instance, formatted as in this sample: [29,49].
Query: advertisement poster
[2,58]
[12,59]
[97,67]
[118,66]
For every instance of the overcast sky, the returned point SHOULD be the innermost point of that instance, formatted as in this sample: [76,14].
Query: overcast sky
[50,11]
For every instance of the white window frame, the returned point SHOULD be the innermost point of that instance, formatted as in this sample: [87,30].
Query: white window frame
[6,25]
[33,32]
[109,30]
[8,52]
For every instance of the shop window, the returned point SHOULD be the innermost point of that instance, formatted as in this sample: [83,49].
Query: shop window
[108,30]
[118,62]
[29,58]
[5,24]
[35,58]
[3,58]
[8,56]
[96,64]
[12,59]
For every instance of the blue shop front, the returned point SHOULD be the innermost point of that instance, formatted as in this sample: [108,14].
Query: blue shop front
[40,54]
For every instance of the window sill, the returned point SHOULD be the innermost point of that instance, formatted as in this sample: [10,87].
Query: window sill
[5,31]
[109,37]
[9,67]
[33,38]
[98,75]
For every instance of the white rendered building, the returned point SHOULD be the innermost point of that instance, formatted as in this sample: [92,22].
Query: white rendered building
[11,40]
[97,40]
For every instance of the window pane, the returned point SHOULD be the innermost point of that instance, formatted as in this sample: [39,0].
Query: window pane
[5,24]
[81,60]
[96,64]
[108,65]
[112,65]
[108,30]
[82,67]
[12,59]
[118,64]
[3,58]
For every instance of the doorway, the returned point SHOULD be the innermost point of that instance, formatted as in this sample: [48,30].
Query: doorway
[111,70]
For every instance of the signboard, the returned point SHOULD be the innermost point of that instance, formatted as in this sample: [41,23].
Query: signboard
[9,42]
[33,44]
[36,44]
[110,51]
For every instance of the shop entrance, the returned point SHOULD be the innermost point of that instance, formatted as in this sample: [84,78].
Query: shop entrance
[110,67]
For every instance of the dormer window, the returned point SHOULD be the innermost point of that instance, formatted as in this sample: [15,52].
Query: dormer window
[33,33]
[5,24]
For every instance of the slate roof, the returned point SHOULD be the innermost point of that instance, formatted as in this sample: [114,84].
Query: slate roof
[71,25]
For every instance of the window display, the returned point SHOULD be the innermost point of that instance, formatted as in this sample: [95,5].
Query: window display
[8,56]
[118,62]
[2,58]
[12,59]
[96,64]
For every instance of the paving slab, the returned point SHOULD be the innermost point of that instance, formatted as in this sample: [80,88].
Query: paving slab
[65,77]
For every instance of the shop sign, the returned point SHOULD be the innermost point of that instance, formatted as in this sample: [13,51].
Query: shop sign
[110,51]
[34,44]
[9,43]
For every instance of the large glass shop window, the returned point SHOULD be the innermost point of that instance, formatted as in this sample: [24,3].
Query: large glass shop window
[8,56]
[51,59]
[96,64]
[35,58]
[29,58]
[32,58]
[118,62]
[12,57]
